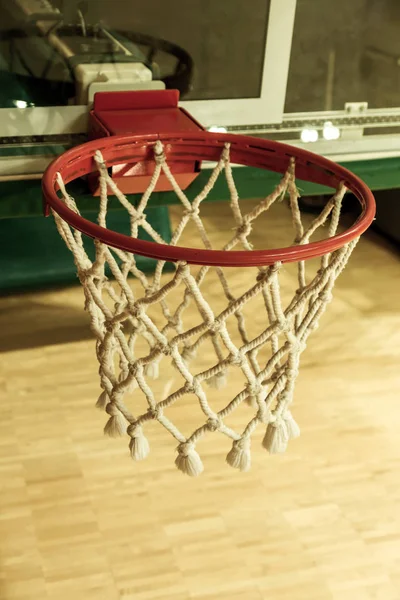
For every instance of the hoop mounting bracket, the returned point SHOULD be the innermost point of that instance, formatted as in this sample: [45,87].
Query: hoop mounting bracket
[141,113]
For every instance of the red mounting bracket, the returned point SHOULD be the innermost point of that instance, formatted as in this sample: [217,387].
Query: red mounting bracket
[141,113]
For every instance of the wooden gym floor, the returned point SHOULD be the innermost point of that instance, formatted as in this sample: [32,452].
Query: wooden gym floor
[79,519]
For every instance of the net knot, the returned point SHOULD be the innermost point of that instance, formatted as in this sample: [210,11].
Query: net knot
[297,345]
[100,280]
[194,211]
[158,150]
[276,420]
[133,369]
[111,326]
[254,388]
[165,349]
[244,229]
[174,321]
[282,326]
[137,311]
[155,412]
[214,326]
[225,152]
[139,219]
[214,423]
[150,290]
[192,387]
[133,429]
[84,269]
[236,359]
[98,157]
[185,448]
[112,410]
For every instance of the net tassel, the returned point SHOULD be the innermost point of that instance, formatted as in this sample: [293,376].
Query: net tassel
[276,437]
[239,457]
[217,381]
[116,424]
[188,460]
[102,401]
[139,445]
[292,427]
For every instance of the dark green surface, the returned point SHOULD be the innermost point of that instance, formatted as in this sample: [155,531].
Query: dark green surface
[33,255]
[23,198]
[51,151]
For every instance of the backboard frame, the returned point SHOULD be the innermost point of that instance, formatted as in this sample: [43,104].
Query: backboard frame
[269,107]
[263,116]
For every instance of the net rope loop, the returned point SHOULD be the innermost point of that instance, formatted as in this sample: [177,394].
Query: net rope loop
[119,318]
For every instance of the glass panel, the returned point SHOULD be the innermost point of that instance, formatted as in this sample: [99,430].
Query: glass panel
[207,49]
[344,51]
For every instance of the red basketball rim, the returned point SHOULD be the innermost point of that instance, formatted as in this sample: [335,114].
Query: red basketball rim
[198,146]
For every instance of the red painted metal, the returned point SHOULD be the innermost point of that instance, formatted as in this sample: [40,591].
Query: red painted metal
[147,99]
[197,146]
[140,113]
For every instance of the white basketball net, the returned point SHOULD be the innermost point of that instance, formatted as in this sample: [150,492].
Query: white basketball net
[119,318]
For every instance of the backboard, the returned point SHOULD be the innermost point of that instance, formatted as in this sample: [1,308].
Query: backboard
[314,74]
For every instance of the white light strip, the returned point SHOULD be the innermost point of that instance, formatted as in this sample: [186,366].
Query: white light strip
[43,120]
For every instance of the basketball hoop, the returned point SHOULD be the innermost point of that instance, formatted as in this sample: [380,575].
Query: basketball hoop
[119,318]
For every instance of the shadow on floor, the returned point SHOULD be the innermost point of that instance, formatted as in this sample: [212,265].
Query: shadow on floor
[26,322]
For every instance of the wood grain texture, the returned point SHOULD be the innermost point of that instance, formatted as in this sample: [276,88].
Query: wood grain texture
[79,519]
